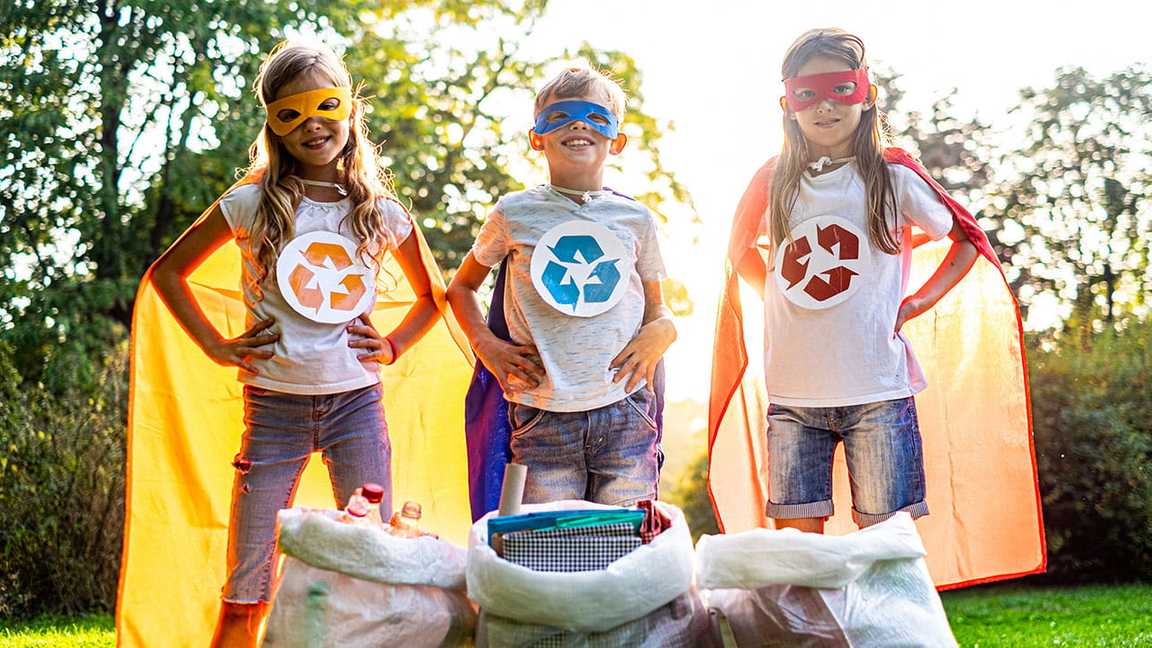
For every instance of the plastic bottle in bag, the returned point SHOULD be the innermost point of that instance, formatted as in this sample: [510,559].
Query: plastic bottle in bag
[373,494]
[358,508]
[406,522]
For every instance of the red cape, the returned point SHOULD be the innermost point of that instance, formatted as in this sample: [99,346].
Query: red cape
[975,418]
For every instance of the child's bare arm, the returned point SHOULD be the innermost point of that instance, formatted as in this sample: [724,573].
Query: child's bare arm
[503,359]
[419,319]
[639,358]
[752,270]
[169,277]
[959,260]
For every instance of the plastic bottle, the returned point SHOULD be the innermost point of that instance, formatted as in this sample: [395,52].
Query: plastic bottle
[406,522]
[373,494]
[355,513]
[357,509]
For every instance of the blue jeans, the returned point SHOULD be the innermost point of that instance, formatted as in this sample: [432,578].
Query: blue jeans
[883,451]
[281,433]
[609,455]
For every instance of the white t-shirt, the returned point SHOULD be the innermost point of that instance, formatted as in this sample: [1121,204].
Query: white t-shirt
[574,289]
[324,280]
[831,298]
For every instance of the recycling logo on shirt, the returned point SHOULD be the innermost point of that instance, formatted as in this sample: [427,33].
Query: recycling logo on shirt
[820,267]
[578,268]
[321,278]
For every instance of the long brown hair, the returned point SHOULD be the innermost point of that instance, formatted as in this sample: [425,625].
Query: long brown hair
[867,146]
[361,175]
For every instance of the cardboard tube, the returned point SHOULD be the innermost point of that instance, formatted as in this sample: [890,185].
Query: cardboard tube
[512,490]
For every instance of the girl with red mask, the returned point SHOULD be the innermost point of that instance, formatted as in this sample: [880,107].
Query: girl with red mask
[832,264]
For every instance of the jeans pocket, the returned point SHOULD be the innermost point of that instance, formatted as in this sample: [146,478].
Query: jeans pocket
[641,400]
[522,418]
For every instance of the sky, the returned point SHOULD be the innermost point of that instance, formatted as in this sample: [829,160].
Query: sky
[712,70]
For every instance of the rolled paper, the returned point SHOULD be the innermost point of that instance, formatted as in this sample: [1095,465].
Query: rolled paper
[512,490]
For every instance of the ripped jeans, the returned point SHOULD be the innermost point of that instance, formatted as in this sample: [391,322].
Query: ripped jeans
[281,431]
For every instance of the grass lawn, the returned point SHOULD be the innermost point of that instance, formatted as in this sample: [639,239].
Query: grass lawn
[1098,615]
[1003,616]
[89,631]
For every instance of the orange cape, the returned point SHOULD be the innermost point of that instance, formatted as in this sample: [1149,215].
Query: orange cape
[184,427]
[975,419]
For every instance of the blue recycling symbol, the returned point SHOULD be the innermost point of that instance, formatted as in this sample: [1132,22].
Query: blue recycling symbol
[579,266]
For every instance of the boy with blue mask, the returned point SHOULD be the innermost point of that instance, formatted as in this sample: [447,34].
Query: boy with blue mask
[583,306]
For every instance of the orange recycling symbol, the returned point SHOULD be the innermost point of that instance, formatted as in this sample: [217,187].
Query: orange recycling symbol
[817,268]
[321,279]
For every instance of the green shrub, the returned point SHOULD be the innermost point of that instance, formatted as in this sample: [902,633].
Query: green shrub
[61,490]
[1091,404]
[691,494]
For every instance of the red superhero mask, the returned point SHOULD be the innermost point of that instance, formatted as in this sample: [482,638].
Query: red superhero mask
[849,87]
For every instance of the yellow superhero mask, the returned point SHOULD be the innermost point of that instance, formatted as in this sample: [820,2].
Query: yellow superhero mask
[284,115]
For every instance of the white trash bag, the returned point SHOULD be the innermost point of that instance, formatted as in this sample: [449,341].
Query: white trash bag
[788,588]
[353,585]
[645,598]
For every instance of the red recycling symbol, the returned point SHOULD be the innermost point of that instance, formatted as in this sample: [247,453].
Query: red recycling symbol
[825,284]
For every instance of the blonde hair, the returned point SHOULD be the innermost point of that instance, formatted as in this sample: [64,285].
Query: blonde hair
[577,81]
[366,182]
[868,145]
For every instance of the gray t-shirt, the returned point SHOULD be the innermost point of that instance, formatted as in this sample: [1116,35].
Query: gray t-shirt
[578,297]
[311,357]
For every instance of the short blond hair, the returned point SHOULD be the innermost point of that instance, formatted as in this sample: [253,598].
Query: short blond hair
[577,81]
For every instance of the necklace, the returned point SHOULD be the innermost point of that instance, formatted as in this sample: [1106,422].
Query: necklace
[586,196]
[320,183]
[819,165]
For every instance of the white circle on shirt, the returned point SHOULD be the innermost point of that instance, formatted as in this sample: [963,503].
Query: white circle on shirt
[580,268]
[822,265]
[322,278]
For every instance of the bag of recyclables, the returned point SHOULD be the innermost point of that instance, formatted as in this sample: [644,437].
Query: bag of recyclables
[353,585]
[788,588]
[645,598]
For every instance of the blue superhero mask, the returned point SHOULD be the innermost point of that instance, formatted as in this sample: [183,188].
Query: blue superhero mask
[562,113]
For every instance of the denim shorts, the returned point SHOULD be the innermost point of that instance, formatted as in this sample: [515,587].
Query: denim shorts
[883,451]
[281,431]
[609,455]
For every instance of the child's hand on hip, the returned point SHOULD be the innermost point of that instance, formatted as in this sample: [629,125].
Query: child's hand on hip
[911,307]
[639,358]
[509,361]
[239,351]
[380,348]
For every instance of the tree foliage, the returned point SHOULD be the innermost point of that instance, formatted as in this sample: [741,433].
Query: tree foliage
[109,113]
[958,151]
[1072,209]
[124,119]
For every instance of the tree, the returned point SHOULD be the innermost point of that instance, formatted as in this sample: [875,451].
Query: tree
[108,150]
[124,119]
[956,150]
[1072,210]
[966,156]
